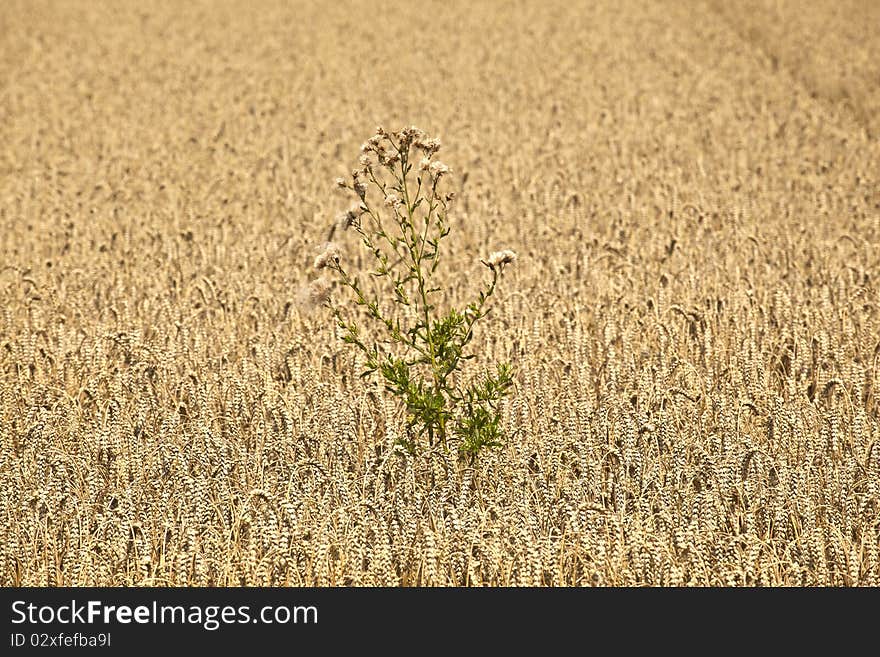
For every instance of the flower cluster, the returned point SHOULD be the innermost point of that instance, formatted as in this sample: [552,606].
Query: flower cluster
[387,149]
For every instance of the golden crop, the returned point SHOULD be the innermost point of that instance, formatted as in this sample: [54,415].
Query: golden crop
[693,190]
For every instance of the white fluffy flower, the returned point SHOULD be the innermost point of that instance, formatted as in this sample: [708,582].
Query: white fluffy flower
[437,169]
[330,253]
[500,258]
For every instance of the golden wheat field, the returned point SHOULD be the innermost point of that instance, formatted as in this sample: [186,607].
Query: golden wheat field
[693,189]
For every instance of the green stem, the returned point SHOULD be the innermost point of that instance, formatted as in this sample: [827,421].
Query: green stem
[420,279]
[479,310]
[373,310]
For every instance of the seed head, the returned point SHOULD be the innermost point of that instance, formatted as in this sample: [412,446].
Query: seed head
[408,135]
[329,254]
[360,187]
[315,293]
[429,146]
[498,259]
[438,169]
[393,201]
[350,217]
[388,157]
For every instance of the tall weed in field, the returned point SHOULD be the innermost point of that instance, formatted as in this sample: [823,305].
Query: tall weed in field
[401,217]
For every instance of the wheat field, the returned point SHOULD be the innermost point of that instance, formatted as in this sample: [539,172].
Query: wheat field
[693,189]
